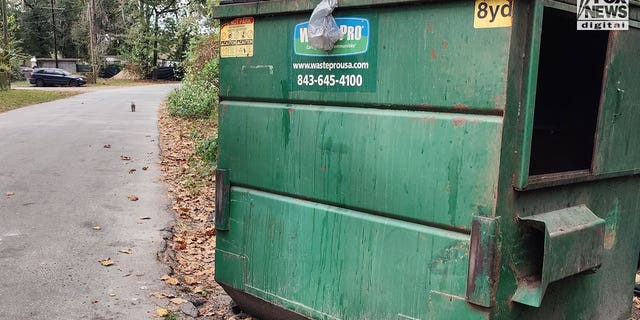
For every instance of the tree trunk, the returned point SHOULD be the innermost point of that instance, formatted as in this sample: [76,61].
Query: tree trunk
[156,29]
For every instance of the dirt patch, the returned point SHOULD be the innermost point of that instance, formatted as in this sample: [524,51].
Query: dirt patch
[126,74]
[191,242]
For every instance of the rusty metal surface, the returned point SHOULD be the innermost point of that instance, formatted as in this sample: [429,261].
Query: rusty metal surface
[573,243]
[223,189]
[484,261]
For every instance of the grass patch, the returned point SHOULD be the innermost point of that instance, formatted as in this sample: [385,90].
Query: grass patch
[14,99]
[102,82]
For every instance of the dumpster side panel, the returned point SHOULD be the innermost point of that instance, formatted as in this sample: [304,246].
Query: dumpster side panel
[603,294]
[421,56]
[333,263]
[427,167]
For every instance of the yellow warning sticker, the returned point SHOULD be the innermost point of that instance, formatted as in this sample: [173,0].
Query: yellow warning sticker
[492,13]
[236,38]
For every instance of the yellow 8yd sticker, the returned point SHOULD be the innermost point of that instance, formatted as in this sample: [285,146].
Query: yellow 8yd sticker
[492,13]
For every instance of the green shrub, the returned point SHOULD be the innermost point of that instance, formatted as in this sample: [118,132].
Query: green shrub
[211,71]
[208,150]
[195,99]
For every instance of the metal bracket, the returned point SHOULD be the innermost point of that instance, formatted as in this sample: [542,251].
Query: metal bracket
[573,243]
[223,195]
[484,261]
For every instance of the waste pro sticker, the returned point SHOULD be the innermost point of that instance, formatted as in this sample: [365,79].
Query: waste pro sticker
[236,38]
[492,13]
[354,40]
[349,67]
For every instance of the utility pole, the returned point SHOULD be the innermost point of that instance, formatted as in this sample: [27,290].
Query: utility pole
[93,39]
[55,41]
[4,22]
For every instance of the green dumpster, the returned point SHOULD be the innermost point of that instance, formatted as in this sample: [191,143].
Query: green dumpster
[444,160]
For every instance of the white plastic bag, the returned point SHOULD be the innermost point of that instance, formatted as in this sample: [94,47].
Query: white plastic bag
[323,30]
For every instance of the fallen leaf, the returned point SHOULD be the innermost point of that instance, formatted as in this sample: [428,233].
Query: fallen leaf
[97,228]
[94,301]
[170,280]
[127,251]
[178,301]
[180,245]
[145,168]
[190,280]
[132,170]
[161,295]
[133,198]
[112,294]
[162,312]
[124,157]
[9,194]
[145,218]
[197,290]
[107,146]
[107,262]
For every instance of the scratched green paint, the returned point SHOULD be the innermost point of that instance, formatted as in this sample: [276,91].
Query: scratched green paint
[617,146]
[321,260]
[423,57]
[614,199]
[375,261]
[414,165]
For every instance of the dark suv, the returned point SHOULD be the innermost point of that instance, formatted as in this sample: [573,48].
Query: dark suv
[56,77]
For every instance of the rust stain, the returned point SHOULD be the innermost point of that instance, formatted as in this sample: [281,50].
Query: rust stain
[291,110]
[324,168]
[609,240]
[445,44]
[498,102]
[427,118]
[461,107]
[459,121]
[433,54]
[430,28]
[224,109]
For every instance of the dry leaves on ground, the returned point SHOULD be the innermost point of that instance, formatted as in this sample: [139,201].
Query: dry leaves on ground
[127,251]
[107,262]
[191,184]
[9,194]
[133,198]
[125,157]
[160,312]
[170,280]
[161,295]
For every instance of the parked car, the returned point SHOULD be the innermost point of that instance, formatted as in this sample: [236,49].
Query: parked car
[56,77]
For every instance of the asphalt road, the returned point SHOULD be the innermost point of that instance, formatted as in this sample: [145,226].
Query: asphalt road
[58,182]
